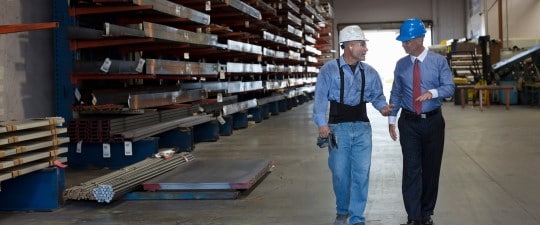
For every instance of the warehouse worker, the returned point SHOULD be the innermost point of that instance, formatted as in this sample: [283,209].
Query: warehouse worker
[422,79]
[347,84]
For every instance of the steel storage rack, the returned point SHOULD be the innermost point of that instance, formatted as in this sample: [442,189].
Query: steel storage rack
[179,71]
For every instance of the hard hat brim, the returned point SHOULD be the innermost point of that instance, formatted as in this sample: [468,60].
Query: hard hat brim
[341,42]
[404,38]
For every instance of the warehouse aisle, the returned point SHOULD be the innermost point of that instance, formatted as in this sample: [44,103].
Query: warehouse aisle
[489,177]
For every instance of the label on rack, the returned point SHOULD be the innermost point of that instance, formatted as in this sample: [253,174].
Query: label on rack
[178,10]
[208,6]
[106,150]
[219,97]
[79,147]
[186,55]
[106,65]
[222,75]
[128,148]
[78,94]
[221,120]
[140,65]
[94,99]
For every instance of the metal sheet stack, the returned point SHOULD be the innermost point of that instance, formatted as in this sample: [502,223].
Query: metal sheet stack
[114,185]
[30,145]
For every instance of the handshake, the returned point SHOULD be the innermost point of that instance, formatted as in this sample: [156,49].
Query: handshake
[387,110]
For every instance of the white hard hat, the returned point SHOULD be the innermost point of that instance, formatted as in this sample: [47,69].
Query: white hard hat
[351,33]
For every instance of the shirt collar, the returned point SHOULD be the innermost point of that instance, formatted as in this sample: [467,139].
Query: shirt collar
[421,57]
[343,63]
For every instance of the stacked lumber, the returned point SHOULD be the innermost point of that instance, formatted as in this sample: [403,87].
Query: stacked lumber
[30,145]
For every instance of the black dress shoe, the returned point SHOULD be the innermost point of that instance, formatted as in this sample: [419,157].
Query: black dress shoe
[412,222]
[427,220]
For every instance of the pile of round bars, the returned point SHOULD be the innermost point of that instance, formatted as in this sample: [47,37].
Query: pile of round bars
[114,185]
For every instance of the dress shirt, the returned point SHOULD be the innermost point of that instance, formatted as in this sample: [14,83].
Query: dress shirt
[328,86]
[436,78]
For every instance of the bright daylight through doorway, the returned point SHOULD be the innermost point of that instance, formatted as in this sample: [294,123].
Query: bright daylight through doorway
[384,51]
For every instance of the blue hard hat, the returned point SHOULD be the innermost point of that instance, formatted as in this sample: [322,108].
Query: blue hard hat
[410,29]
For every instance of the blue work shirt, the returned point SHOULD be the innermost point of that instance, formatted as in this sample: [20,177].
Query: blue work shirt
[436,77]
[328,86]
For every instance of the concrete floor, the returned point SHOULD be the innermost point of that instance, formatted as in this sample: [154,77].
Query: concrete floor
[489,177]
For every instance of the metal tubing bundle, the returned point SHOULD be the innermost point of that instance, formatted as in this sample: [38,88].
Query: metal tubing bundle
[138,134]
[113,185]
[103,129]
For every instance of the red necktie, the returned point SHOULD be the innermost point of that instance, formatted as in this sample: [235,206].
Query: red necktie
[417,90]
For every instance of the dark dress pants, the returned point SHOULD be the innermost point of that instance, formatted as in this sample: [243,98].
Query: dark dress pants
[422,142]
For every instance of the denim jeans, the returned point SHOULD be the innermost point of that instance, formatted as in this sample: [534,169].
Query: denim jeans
[350,164]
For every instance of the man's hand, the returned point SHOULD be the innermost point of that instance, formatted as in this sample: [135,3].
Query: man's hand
[387,110]
[425,96]
[324,131]
[392,130]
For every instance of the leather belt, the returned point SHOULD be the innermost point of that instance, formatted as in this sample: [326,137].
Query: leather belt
[412,115]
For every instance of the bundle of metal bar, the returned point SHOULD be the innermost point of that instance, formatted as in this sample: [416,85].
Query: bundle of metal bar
[285,6]
[162,32]
[244,47]
[176,10]
[113,185]
[208,86]
[274,38]
[25,158]
[25,135]
[299,91]
[115,67]
[313,50]
[138,101]
[237,107]
[171,67]
[245,8]
[135,99]
[8,126]
[32,145]
[163,6]
[261,5]
[312,69]
[215,107]
[29,145]
[266,100]
[140,133]
[244,68]
[30,167]
[106,127]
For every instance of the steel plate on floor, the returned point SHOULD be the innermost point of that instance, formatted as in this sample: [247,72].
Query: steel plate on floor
[221,174]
